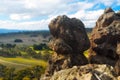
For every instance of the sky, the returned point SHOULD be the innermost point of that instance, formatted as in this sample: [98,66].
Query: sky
[37,14]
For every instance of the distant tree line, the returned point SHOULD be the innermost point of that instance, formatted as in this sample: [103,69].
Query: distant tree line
[88,30]
[43,33]
[7,45]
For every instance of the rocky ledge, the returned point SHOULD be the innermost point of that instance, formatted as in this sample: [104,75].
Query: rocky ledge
[86,72]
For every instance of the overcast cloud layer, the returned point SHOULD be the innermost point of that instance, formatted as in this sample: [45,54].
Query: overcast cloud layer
[36,14]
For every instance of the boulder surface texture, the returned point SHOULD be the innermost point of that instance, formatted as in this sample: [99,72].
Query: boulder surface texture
[86,72]
[105,40]
[69,42]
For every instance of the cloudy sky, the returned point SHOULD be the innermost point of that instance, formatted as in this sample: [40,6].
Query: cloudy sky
[36,14]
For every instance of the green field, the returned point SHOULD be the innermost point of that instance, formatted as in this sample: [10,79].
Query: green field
[21,63]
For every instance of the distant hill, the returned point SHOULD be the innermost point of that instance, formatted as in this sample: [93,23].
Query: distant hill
[26,37]
[9,31]
[88,30]
[15,31]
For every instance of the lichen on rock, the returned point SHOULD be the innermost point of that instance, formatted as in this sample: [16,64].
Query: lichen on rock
[96,72]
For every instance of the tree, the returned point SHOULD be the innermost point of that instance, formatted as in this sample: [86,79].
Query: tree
[40,46]
[23,73]
[18,40]
[37,71]
[2,70]
[9,73]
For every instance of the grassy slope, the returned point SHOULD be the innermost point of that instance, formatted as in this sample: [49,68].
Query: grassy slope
[21,63]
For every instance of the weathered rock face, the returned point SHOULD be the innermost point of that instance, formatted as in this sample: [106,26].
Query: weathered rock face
[105,39]
[70,32]
[69,42]
[87,72]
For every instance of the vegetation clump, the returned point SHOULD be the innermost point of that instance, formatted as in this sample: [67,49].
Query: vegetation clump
[18,40]
[31,73]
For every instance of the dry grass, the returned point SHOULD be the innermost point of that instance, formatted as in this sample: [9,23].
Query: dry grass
[20,63]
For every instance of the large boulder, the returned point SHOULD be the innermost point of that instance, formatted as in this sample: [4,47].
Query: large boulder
[105,39]
[69,42]
[70,31]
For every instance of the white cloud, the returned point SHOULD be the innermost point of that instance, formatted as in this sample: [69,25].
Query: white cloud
[42,7]
[88,17]
[26,10]
[19,16]
[118,2]
[91,17]
[41,4]
[107,3]
[15,17]
[34,25]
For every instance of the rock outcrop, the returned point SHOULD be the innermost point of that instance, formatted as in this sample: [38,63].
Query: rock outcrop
[87,72]
[69,42]
[105,40]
